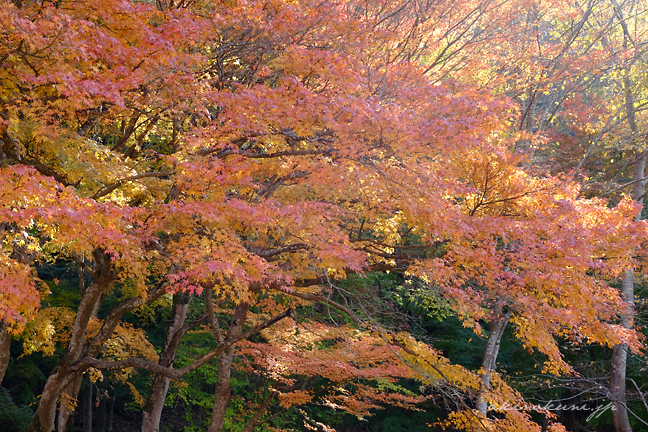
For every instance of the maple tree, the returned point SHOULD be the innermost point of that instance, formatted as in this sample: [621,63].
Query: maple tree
[570,63]
[626,44]
[252,152]
[601,54]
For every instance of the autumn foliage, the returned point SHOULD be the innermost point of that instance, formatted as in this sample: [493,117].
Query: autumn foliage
[253,153]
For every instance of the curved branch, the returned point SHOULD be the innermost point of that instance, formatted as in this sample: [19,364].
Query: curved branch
[269,253]
[117,312]
[11,148]
[111,187]
[327,151]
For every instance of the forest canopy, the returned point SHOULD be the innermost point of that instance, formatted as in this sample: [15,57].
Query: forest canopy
[286,215]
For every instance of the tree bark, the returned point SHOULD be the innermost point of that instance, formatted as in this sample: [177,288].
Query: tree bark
[111,411]
[223,391]
[60,379]
[101,410]
[619,360]
[489,362]
[618,388]
[87,407]
[5,345]
[152,412]
[65,410]
[620,352]
[66,373]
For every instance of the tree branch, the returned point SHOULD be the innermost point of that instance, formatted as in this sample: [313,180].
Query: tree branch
[251,155]
[209,306]
[115,315]
[109,188]
[269,253]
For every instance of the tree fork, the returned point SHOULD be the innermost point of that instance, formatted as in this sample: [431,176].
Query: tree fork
[489,362]
[223,392]
[152,412]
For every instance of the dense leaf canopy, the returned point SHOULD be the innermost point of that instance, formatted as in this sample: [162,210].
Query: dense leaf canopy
[252,154]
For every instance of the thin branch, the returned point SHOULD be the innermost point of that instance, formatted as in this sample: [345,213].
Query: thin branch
[633,413]
[641,396]
[622,186]
[264,406]
[264,325]
[216,330]
[327,151]
[325,300]
[269,253]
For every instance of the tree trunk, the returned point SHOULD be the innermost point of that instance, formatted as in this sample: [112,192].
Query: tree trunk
[620,352]
[152,412]
[618,388]
[66,409]
[45,415]
[87,407]
[71,392]
[223,391]
[102,395]
[619,359]
[489,362]
[5,345]
[111,411]
[64,374]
